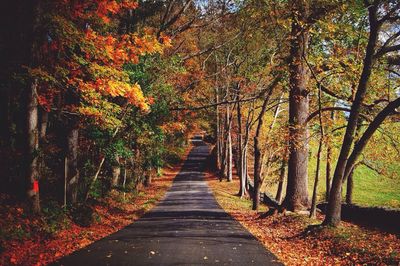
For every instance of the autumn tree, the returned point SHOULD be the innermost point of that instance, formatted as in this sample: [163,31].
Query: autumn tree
[380,13]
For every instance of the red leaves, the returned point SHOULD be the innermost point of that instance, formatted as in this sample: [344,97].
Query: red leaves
[103,9]
[39,249]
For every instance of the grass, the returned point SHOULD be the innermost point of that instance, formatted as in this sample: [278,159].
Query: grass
[373,189]
[227,197]
[370,188]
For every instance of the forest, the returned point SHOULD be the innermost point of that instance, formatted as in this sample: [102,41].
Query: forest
[297,100]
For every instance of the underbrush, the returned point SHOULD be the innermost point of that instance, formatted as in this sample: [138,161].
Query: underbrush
[58,231]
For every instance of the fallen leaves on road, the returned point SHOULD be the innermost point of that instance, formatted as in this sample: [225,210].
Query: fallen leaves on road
[295,243]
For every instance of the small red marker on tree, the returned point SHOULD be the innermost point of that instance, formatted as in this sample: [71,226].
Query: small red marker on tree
[36,186]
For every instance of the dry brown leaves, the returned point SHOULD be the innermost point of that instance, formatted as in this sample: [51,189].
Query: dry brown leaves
[294,243]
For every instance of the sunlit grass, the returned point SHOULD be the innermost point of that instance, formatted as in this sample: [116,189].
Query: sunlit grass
[370,188]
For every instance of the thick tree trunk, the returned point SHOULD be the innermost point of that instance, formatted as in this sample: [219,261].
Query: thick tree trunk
[279,192]
[32,148]
[72,163]
[116,172]
[297,187]
[333,215]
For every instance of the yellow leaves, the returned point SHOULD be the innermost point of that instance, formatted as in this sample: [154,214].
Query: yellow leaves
[166,41]
[173,127]
[104,114]
[135,96]
[114,88]
[331,27]
[126,48]
[89,111]
[147,44]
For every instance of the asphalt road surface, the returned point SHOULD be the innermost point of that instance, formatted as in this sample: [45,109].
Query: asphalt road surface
[187,227]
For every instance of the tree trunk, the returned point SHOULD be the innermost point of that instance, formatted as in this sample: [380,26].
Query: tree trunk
[116,172]
[124,181]
[217,132]
[350,186]
[148,178]
[373,126]
[257,174]
[224,152]
[32,148]
[96,175]
[328,163]
[315,190]
[328,170]
[279,192]
[230,157]
[5,117]
[228,145]
[242,189]
[297,187]
[246,167]
[72,163]
[44,117]
[257,149]
[333,215]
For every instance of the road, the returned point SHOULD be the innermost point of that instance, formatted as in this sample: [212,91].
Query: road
[187,227]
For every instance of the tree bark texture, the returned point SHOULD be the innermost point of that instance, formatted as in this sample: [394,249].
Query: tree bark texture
[242,189]
[297,186]
[315,189]
[328,170]
[33,147]
[72,163]
[350,186]
[116,172]
[229,157]
[257,173]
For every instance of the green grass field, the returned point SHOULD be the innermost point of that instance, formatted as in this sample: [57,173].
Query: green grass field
[370,188]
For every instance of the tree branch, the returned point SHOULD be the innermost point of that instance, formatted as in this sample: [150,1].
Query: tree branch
[373,126]
[333,108]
